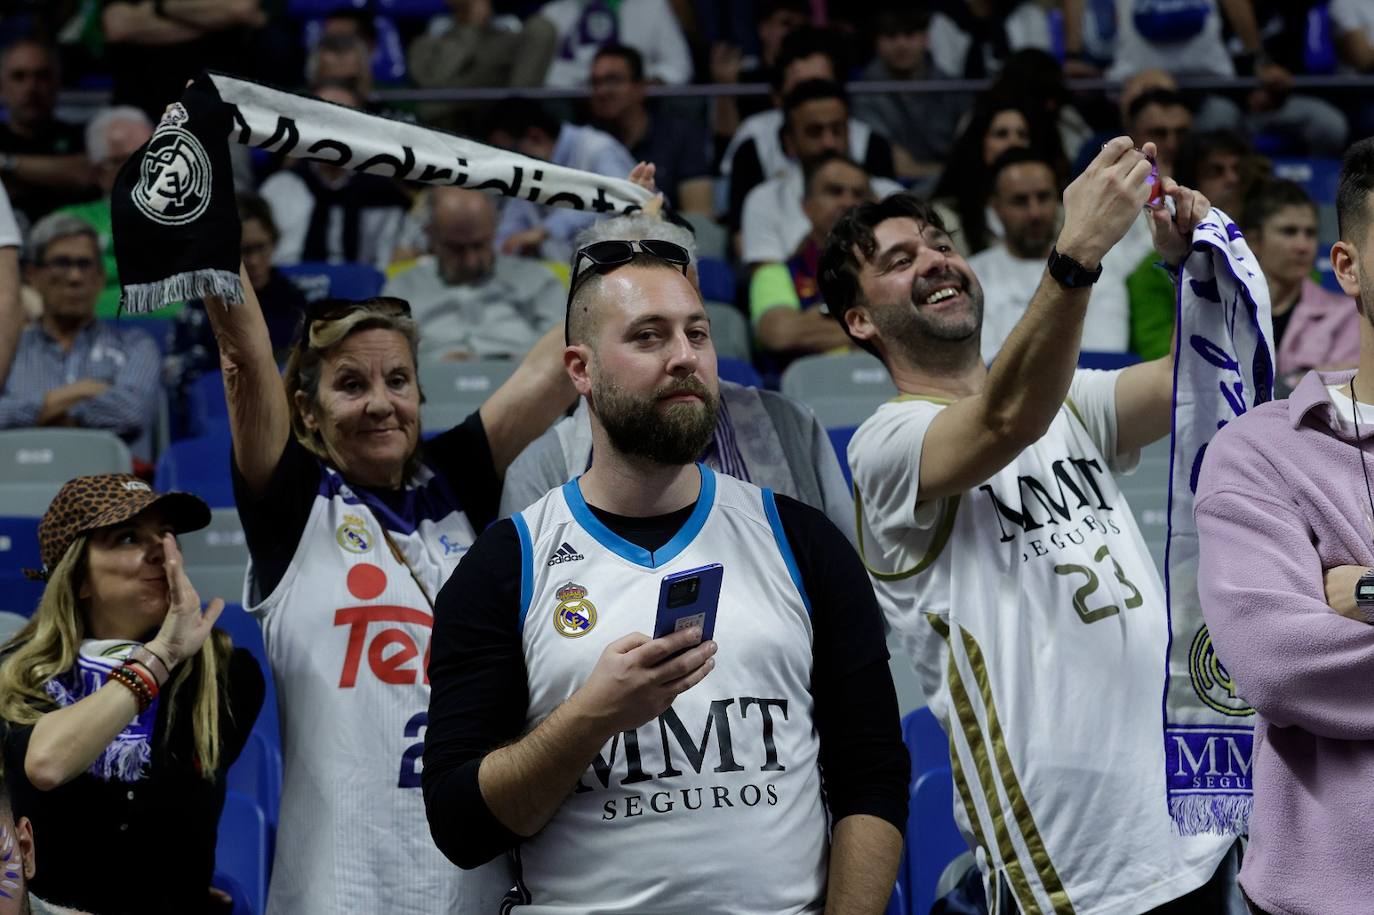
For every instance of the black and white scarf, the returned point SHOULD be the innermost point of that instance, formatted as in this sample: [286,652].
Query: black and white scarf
[175,223]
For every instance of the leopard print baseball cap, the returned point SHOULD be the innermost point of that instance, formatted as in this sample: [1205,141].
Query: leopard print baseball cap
[87,503]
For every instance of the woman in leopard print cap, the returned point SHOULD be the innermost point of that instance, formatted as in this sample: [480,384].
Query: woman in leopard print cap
[122,710]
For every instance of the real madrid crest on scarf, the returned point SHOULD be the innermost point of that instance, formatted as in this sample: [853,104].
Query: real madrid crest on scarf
[575,615]
[175,220]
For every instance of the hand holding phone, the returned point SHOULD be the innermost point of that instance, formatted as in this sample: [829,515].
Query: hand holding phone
[689,599]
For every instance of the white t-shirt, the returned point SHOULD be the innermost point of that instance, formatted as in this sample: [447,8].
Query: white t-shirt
[1036,622]
[1027,26]
[1009,282]
[293,206]
[648,26]
[773,222]
[9,229]
[1201,54]
[1346,407]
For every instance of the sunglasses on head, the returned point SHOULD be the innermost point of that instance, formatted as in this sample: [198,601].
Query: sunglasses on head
[604,256]
[333,309]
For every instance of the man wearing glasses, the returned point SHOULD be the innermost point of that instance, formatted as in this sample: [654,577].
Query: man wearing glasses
[678,773]
[70,369]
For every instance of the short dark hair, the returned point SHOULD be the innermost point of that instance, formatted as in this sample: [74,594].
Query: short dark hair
[581,319]
[1266,198]
[802,43]
[518,115]
[810,90]
[766,9]
[1018,155]
[364,21]
[812,168]
[838,273]
[251,206]
[33,41]
[1352,194]
[1199,146]
[1165,98]
[901,20]
[633,59]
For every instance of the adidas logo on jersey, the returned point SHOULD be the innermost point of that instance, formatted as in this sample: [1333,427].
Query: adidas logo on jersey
[565,553]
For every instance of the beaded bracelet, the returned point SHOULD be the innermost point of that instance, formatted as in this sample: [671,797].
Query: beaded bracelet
[153,662]
[146,675]
[134,684]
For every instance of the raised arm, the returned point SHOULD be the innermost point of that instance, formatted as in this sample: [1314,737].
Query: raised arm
[1145,392]
[259,415]
[979,435]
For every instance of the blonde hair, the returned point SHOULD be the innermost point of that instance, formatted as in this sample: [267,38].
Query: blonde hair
[323,334]
[47,647]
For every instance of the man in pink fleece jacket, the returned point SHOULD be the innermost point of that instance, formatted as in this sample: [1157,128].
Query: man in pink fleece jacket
[1286,526]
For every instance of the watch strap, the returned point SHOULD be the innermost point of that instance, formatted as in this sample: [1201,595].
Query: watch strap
[1069,272]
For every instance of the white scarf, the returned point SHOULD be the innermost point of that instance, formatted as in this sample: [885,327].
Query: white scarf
[1223,366]
[128,756]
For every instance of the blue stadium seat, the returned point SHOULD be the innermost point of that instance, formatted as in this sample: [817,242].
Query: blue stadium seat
[896,904]
[413,9]
[933,839]
[241,852]
[313,9]
[19,550]
[257,774]
[200,466]
[1319,177]
[738,371]
[927,742]
[717,279]
[319,280]
[245,632]
[1088,359]
[839,440]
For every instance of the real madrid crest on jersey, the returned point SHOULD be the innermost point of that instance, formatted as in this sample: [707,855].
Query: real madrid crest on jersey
[575,615]
[174,178]
[353,535]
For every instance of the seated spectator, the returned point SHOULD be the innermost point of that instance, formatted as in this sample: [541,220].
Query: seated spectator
[761,437]
[785,304]
[921,124]
[474,49]
[112,136]
[341,59]
[649,26]
[774,21]
[1187,40]
[676,145]
[472,302]
[123,707]
[527,127]
[760,149]
[1026,199]
[154,48]
[1037,77]
[12,312]
[71,369]
[42,159]
[326,213]
[815,115]
[961,195]
[1314,328]
[194,350]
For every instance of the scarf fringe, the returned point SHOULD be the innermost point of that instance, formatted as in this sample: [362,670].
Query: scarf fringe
[124,760]
[1222,815]
[141,298]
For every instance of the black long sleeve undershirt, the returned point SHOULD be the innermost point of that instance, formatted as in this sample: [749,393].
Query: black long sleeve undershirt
[480,691]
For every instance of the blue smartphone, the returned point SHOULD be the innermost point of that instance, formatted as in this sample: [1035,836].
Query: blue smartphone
[687,599]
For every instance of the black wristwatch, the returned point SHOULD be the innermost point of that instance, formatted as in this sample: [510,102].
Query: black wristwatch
[1364,595]
[1070,272]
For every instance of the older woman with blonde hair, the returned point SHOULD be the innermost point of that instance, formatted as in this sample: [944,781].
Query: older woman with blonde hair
[353,524]
[122,709]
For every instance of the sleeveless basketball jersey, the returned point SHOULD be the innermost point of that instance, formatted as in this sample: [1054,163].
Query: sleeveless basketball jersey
[347,633]
[1036,622]
[716,805]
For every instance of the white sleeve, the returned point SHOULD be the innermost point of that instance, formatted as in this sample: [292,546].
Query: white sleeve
[669,58]
[291,206]
[1092,394]
[1107,324]
[758,229]
[9,228]
[885,456]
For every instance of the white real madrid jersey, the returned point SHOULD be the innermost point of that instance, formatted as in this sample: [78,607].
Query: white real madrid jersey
[347,633]
[1036,621]
[716,805]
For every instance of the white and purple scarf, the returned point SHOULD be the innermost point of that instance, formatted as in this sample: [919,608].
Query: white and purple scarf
[1223,366]
[129,755]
